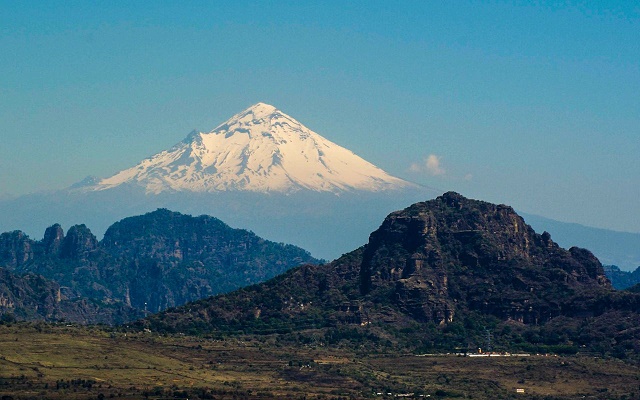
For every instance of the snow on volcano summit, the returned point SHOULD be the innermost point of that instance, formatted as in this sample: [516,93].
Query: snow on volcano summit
[260,149]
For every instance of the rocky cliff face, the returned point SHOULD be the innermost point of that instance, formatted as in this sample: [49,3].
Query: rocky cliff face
[78,243]
[454,253]
[52,241]
[32,297]
[151,262]
[16,249]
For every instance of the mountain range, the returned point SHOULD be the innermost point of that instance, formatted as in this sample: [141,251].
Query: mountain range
[143,264]
[438,274]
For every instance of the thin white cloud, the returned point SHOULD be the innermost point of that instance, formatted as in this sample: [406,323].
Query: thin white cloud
[415,167]
[430,165]
[433,165]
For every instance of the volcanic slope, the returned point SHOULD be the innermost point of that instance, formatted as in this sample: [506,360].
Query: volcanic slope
[260,149]
[436,274]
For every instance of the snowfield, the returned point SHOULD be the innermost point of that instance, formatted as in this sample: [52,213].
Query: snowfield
[260,149]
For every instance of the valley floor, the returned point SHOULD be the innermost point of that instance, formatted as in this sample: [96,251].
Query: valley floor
[39,361]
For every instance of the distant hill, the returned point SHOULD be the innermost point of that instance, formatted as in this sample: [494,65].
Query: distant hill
[150,262]
[611,247]
[622,279]
[438,274]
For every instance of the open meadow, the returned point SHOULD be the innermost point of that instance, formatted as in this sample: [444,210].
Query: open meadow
[39,361]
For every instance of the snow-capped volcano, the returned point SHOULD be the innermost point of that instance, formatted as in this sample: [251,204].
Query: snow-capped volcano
[260,149]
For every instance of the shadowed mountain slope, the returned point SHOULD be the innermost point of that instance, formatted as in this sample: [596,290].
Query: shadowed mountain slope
[150,262]
[32,297]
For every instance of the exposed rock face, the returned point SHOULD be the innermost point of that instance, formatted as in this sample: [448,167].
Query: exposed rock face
[78,243]
[15,248]
[52,242]
[455,252]
[150,262]
[33,297]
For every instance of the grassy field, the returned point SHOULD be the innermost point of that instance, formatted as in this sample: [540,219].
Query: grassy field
[61,362]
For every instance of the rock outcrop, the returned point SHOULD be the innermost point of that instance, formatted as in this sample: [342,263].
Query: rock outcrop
[78,243]
[16,249]
[52,241]
[454,253]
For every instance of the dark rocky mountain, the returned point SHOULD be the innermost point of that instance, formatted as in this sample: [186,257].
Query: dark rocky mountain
[32,297]
[437,274]
[150,262]
[622,279]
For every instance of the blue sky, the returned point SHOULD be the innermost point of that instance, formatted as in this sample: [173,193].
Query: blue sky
[533,104]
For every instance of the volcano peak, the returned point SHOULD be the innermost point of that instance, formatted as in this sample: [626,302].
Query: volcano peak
[260,149]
